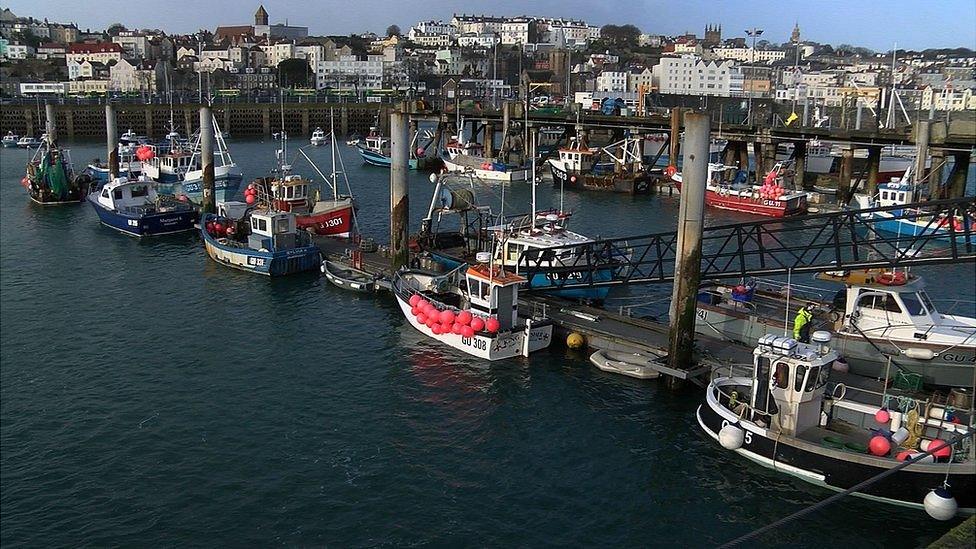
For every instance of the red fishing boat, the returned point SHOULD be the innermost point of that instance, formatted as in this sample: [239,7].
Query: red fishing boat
[771,198]
[317,207]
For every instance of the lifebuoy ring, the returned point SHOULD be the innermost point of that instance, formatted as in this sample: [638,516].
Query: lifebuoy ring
[892,279]
[670,171]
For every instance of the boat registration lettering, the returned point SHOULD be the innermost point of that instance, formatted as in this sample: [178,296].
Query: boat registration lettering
[334,222]
[256,261]
[702,314]
[133,222]
[748,434]
[955,357]
[479,344]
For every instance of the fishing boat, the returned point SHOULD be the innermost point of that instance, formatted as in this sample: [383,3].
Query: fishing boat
[486,169]
[636,365]
[576,167]
[825,159]
[27,142]
[258,240]
[473,309]
[375,151]
[876,315]
[318,138]
[51,179]
[455,147]
[178,168]
[348,277]
[129,163]
[10,140]
[790,412]
[324,211]
[728,188]
[133,207]
[912,219]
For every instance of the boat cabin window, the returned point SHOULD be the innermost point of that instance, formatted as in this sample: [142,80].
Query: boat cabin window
[104,193]
[901,197]
[512,252]
[886,302]
[913,304]
[140,190]
[782,375]
[884,195]
[812,380]
[928,302]
[289,190]
[259,224]
[281,225]
[117,194]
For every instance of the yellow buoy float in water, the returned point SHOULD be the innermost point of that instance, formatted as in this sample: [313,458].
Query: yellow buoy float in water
[575,340]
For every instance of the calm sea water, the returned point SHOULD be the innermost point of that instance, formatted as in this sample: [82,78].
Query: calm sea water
[148,396]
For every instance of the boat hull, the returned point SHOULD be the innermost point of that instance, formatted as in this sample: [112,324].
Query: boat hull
[496,347]
[838,469]
[100,173]
[507,176]
[335,222]
[226,187]
[883,221]
[951,368]
[154,224]
[374,158]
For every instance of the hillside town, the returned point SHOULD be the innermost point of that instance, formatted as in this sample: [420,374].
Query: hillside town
[484,58]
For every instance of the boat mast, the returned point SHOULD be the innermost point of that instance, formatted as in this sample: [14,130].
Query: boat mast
[533,180]
[335,151]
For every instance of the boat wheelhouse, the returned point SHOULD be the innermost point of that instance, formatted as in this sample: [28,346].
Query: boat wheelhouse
[792,413]
[318,138]
[473,309]
[178,169]
[133,207]
[457,148]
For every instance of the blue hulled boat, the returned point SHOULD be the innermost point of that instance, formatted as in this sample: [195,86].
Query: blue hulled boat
[910,221]
[177,168]
[261,241]
[375,151]
[133,207]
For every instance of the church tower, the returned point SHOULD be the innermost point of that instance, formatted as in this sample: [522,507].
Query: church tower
[713,36]
[795,37]
[261,16]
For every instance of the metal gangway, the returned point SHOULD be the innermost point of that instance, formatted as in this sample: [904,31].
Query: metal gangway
[844,240]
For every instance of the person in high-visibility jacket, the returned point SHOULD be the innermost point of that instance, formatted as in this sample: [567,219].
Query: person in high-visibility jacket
[801,324]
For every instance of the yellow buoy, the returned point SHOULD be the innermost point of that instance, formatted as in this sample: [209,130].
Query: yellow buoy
[575,341]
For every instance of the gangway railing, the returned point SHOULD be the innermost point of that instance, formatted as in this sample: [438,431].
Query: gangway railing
[849,239]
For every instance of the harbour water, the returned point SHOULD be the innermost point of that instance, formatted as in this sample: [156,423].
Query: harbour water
[149,396]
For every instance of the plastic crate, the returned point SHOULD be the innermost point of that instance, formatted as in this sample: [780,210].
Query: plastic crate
[907,381]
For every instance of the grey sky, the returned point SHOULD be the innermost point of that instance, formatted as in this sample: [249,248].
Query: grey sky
[874,24]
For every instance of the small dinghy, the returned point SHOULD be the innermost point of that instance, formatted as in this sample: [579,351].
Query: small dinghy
[636,365]
[348,277]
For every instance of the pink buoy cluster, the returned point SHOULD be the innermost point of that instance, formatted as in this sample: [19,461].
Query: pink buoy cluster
[771,191]
[219,228]
[145,153]
[447,321]
[251,193]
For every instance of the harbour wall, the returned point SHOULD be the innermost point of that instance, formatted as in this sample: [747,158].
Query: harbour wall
[237,119]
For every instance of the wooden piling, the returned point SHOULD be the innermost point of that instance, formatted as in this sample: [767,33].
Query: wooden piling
[691,214]
[111,141]
[874,167]
[399,195]
[922,145]
[743,148]
[846,174]
[800,166]
[207,158]
[957,178]
[675,137]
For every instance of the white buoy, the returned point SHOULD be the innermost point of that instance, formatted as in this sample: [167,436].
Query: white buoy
[731,437]
[940,504]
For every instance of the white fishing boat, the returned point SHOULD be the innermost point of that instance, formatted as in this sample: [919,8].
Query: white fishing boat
[636,365]
[473,309]
[318,138]
[10,140]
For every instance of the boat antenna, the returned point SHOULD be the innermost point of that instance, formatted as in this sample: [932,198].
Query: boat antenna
[533,180]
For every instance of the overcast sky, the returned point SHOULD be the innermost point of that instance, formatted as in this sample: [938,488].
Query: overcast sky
[913,24]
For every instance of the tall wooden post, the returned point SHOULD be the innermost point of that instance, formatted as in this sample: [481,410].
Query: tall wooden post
[691,215]
[800,166]
[399,195]
[111,141]
[675,137]
[846,174]
[922,144]
[874,167]
[207,158]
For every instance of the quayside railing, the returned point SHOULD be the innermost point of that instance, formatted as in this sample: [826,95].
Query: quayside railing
[850,239]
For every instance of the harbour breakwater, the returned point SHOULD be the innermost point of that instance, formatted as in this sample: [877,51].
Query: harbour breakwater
[239,119]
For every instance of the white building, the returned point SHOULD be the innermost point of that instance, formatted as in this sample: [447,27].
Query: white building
[42,88]
[516,30]
[748,55]
[82,87]
[575,33]
[135,44]
[611,81]
[136,76]
[688,75]
[278,52]
[103,52]
[430,40]
[351,73]
[637,81]
[432,27]
[312,53]
[16,50]
[477,24]
[478,40]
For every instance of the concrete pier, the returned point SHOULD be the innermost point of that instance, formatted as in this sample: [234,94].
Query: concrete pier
[111,141]
[691,216]
[399,195]
[207,158]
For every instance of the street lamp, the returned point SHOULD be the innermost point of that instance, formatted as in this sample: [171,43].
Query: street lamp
[754,33]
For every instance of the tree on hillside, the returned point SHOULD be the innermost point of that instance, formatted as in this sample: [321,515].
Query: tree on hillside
[620,36]
[115,28]
[294,73]
[393,30]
